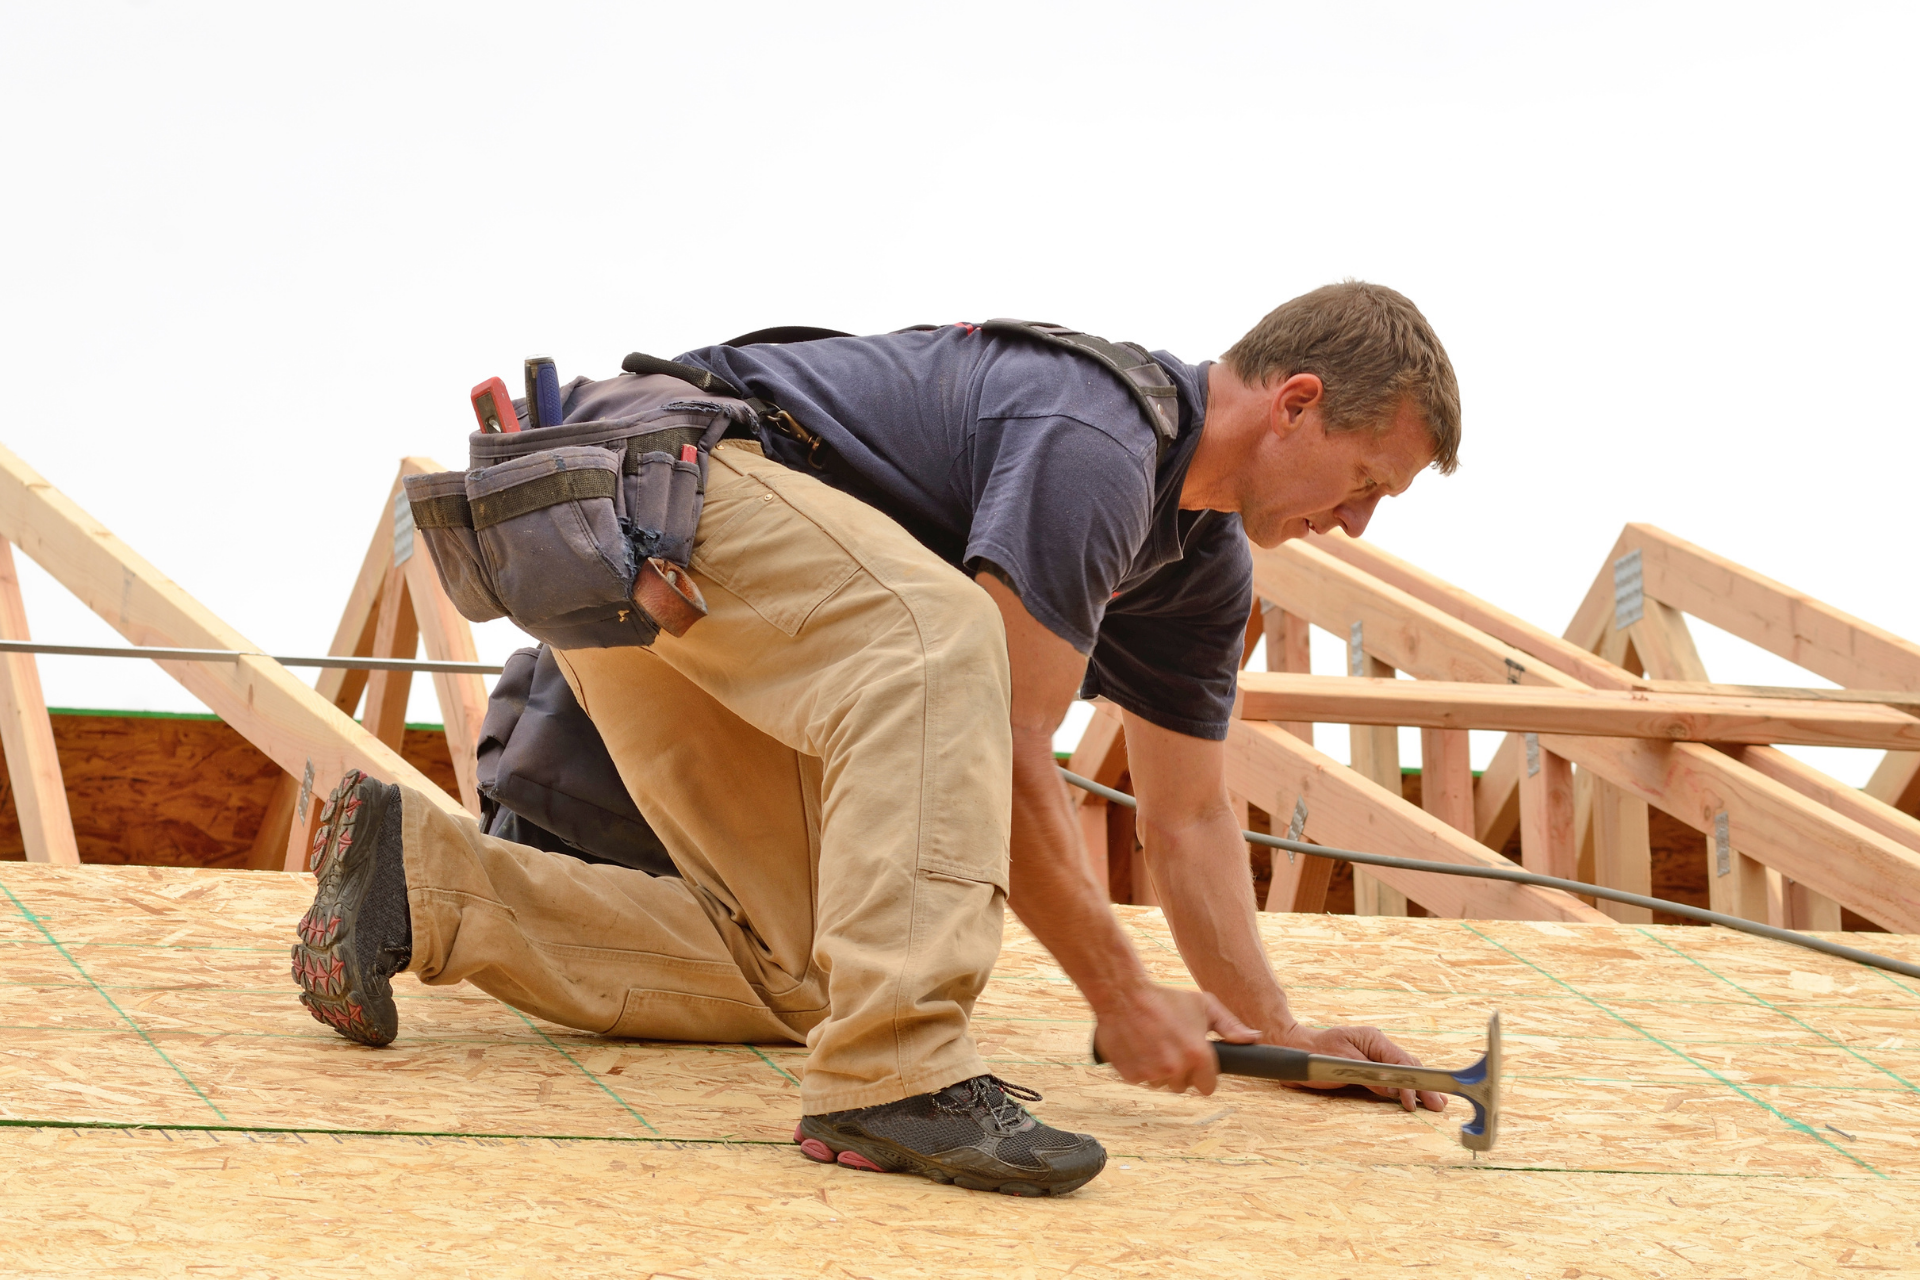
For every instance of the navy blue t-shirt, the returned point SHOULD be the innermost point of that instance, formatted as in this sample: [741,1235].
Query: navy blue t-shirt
[996,447]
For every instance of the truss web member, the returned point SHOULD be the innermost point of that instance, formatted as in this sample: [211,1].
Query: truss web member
[912,569]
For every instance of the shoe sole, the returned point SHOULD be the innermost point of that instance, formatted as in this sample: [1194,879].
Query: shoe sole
[877,1157]
[357,1005]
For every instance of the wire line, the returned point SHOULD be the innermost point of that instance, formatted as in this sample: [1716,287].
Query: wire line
[1517,876]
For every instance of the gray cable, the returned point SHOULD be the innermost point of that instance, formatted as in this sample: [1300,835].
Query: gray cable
[234,655]
[1545,882]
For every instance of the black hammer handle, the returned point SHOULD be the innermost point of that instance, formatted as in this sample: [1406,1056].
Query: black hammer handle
[1261,1061]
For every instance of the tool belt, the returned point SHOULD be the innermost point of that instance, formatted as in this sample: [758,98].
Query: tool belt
[581,533]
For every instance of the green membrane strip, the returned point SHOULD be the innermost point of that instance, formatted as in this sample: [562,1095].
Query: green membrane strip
[138,1030]
[1798,1126]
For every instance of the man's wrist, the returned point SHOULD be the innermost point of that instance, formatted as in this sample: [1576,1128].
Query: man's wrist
[1114,995]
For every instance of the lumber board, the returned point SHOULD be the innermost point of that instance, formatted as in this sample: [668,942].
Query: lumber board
[1524,638]
[1496,795]
[1664,643]
[1896,781]
[26,733]
[1713,1062]
[1615,713]
[359,625]
[282,716]
[1623,850]
[1348,810]
[1864,868]
[448,637]
[1809,632]
[1289,648]
[1101,756]
[1547,838]
[1375,754]
[1446,777]
[396,635]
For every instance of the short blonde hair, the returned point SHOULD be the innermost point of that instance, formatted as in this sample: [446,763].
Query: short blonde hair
[1371,349]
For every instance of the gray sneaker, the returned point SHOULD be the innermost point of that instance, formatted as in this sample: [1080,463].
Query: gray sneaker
[973,1134]
[358,932]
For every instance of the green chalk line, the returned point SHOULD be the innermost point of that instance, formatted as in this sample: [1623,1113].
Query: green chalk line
[1762,1000]
[1798,1126]
[138,1029]
[554,1045]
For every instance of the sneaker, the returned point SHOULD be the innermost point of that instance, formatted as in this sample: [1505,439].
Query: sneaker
[358,932]
[973,1134]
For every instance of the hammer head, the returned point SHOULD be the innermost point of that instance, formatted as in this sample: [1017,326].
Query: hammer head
[1480,1085]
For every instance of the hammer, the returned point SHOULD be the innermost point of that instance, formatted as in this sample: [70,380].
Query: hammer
[1478,1084]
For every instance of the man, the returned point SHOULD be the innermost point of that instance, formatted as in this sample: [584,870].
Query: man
[840,756]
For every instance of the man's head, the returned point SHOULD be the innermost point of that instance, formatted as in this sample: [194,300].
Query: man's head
[1333,401]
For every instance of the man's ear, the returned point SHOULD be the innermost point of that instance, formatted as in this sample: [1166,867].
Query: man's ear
[1290,402]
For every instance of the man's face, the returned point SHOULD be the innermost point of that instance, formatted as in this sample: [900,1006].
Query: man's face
[1307,479]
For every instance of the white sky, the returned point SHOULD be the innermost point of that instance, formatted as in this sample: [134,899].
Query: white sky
[255,253]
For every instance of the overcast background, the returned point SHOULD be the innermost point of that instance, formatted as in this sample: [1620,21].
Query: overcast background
[255,253]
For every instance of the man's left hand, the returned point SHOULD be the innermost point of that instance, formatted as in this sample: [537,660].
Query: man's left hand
[1367,1044]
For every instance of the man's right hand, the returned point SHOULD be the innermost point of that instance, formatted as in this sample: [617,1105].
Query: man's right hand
[1158,1037]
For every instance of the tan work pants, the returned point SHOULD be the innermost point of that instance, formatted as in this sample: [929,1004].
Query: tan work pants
[827,758]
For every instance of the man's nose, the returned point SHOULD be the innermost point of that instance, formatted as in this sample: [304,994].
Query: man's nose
[1355,516]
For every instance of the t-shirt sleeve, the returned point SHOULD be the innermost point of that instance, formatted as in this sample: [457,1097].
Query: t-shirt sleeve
[1169,649]
[1061,511]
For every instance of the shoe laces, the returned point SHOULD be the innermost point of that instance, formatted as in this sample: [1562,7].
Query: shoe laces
[991,1098]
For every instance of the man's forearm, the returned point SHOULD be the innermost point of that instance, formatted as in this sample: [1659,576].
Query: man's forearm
[1054,892]
[1200,872]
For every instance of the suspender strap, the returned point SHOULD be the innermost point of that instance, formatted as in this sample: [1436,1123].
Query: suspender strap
[641,363]
[1139,372]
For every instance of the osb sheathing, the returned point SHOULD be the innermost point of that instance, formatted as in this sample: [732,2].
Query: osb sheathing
[172,790]
[1679,1101]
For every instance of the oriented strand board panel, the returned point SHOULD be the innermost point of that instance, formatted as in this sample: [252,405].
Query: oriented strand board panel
[172,790]
[1679,1101]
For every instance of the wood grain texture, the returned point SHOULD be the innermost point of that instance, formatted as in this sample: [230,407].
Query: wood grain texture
[1805,631]
[1862,868]
[33,764]
[1546,815]
[285,718]
[1349,811]
[1678,1101]
[1446,778]
[1614,713]
[1289,648]
[448,637]
[396,634]
[176,791]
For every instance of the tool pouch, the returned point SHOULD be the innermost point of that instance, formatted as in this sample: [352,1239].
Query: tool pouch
[582,532]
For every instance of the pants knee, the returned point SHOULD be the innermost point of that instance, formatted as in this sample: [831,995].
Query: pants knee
[971,642]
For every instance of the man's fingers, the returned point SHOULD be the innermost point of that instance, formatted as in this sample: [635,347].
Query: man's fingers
[1221,1020]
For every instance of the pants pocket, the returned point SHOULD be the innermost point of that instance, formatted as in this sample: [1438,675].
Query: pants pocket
[553,546]
[675,1015]
[443,520]
[770,555]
